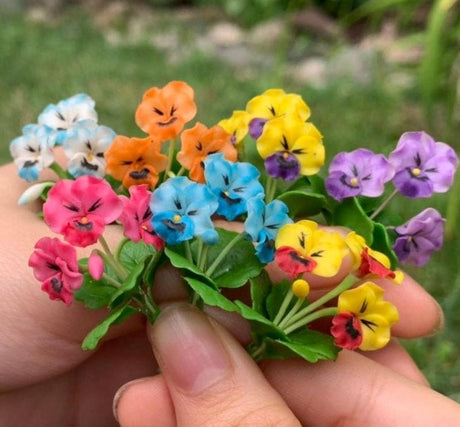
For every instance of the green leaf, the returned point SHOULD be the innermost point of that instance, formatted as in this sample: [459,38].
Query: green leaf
[118,316]
[311,346]
[303,203]
[261,327]
[210,296]
[178,260]
[350,214]
[95,293]
[133,253]
[382,243]
[129,284]
[240,264]
[260,288]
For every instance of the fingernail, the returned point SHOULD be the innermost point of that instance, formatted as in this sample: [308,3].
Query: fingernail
[120,392]
[441,322]
[188,349]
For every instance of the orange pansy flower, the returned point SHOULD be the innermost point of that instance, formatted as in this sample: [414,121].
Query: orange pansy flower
[163,112]
[135,161]
[198,143]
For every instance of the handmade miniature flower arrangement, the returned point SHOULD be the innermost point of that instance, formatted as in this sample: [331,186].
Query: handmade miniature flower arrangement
[259,168]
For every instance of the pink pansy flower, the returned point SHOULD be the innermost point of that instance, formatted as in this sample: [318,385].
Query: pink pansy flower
[55,264]
[95,266]
[80,209]
[136,217]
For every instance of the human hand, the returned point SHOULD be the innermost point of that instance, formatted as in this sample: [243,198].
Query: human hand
[42,367]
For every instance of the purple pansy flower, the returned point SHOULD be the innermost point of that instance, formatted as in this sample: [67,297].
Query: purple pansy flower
[423,166]
[256,127]
[359,172]
[419,237]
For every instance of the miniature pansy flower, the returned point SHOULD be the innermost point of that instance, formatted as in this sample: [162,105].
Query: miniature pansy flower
[80,209]
[364,318]
[33,151]
[198,143]
[55,265]
[236,125]
[369,263]
[291,148]
[419,237]
[274,103]
[95,266]
[422,166]
[263,223]
[359,172]
[182,210]
[135,161]
[303,247]
[85,148]
[164,111]
[136,217]
[232,183]
[64,116]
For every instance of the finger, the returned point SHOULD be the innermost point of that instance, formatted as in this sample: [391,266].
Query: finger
[395,357]
[211,379]
[359,392]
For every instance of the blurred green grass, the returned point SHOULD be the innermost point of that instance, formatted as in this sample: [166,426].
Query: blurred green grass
[44,63]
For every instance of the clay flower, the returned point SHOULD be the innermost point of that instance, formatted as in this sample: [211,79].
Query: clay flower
[303,247]
[419,237]
[85,148]
[136,217]
[96,266]
[359,172]
[198,143]
[232,183]
[80,209]
[364,318]
[263,223]
[422,166]
[274,103]
[369,263]
[135,161]
[291,148]
[33,151]
[236,125]
[164,111]
[64,116]
[182,210]
[55,265]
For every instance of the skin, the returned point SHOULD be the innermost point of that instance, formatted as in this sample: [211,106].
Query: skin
[45,376]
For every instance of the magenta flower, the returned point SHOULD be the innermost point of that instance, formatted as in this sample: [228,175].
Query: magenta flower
[359,172]
[95,266]
[80,209]
[55,264]
[423,166]
[136,217]
[419,237]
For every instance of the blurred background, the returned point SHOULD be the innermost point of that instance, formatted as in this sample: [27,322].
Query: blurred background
[369,69]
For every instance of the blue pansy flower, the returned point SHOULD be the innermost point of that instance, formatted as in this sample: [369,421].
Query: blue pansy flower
[85,148]
[182,210]
[263,223]
[64,116]
[33,151]
[232,183]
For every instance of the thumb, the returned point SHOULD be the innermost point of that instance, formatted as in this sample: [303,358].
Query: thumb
[210,378]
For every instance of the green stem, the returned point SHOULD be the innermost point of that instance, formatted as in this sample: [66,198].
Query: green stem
[346,284]
[152,308]
[270,189]
[284,305]
[105,277]
[223,254]
[256,351]
[204,256]
[61,173]
[188,251]
[384,204]
[328,311]
[119,269]
[292,312]
[172,147]
[119,247]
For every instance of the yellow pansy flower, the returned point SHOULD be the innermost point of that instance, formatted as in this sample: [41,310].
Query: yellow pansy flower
[236,125]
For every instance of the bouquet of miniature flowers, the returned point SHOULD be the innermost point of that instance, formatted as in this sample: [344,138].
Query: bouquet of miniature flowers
[259,168]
